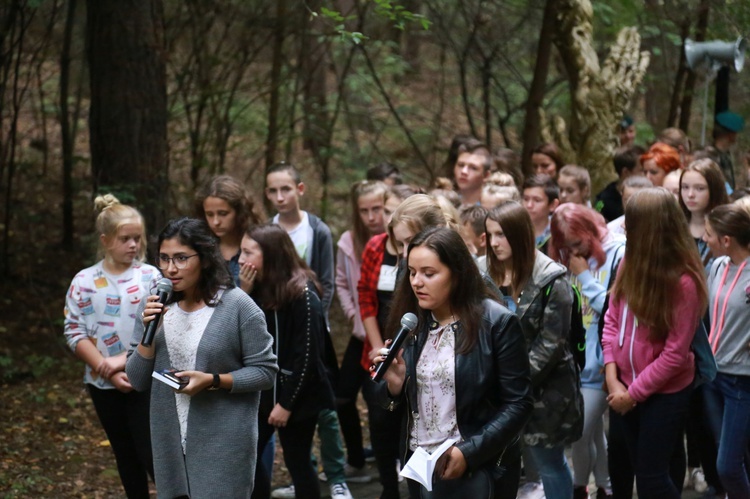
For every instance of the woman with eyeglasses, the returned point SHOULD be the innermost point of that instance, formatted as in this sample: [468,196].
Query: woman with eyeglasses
[204,435]
[99,310]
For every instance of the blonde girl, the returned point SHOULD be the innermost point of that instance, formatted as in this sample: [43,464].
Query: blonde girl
[99,318]
[575,185]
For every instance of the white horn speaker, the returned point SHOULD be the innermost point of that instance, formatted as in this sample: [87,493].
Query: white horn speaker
[715,53]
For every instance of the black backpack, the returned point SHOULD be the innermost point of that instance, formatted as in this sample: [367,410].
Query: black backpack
[577,332]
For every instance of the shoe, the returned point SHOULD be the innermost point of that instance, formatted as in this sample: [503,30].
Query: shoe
[351,474]
[340,491]
[581,492]
[369,455]
[531,490]
[698,480]
[356,475]
[603,493]
[283,493]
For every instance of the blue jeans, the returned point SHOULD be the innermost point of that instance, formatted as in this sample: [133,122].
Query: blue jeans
[653,435]
[727,403]
[554,470]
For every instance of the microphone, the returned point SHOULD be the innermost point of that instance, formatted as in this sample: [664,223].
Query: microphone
[408,323]
[163,289]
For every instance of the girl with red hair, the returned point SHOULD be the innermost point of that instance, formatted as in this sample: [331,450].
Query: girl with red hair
[659,160]
[580,240]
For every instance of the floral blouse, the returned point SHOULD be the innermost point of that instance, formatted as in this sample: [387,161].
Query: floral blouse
[436,390]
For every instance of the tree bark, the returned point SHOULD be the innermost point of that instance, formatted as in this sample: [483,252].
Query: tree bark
[687,95]
[599,94]
[532,123]
[65,129]
[273,107]
[128,116]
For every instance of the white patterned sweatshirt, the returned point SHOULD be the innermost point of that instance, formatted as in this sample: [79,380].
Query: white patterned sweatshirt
[102,307]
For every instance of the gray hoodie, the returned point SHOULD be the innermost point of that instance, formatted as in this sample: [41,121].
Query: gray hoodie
[730,342]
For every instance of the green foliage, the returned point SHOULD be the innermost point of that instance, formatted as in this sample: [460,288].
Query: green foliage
[398,15]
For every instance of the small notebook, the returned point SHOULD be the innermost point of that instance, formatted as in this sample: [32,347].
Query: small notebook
[421,464]
[167,377]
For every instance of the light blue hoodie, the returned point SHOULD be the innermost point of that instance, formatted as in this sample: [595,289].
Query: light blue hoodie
[593,287]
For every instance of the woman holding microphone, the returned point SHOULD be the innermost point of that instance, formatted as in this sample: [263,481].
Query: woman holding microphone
[204,435]
[464,374]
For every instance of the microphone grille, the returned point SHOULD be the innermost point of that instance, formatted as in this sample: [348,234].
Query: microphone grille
[409,321]
[164,286]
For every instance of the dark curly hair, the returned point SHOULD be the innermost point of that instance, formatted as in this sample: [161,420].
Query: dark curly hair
[197,235]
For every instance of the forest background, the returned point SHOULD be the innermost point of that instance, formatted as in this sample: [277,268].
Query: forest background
[150,98]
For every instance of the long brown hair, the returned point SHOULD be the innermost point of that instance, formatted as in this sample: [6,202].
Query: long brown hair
[659,252]
[285,275]
[467,287]
[519,231]
[717,191]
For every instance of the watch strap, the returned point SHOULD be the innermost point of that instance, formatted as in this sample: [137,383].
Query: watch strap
[216,384]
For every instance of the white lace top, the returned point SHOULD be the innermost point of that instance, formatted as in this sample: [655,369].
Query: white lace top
[183,332]
[436,390]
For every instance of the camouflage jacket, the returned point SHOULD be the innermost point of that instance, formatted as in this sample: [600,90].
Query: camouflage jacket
[557,418]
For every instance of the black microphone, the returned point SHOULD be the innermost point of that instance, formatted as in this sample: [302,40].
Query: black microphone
[408,323]
[163,289]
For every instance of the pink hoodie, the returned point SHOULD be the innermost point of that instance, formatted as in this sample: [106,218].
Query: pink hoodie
[647,367]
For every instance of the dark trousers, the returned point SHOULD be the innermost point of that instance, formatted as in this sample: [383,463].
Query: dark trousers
[125,419]
[296,441]
[351,377]
[505,486]
[653,433]
[701,448]
[385,435]
[727,405]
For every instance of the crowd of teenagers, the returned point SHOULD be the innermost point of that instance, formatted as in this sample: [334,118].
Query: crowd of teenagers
[562,341]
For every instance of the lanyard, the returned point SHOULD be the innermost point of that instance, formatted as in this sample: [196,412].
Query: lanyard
[717,321]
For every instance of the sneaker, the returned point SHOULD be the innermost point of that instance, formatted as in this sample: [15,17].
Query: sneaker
[369,455]
[531,490]
[283,493]
[603,493]
[351,474]
[698,480]
[340,491]
[581,492]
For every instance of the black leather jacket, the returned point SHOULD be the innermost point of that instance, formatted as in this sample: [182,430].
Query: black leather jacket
[493,388]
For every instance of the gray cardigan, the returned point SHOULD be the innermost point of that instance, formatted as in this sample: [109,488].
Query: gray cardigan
[221,443]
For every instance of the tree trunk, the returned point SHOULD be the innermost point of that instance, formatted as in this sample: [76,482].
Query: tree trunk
[128,117]
[314,99]
[65,129]
[679,79]
[532,123]
[273,107]
[600,94]
[687,95]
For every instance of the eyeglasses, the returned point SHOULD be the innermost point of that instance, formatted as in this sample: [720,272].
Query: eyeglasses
[180,261]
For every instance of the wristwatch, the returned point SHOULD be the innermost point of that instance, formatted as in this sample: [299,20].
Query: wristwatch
[216,384]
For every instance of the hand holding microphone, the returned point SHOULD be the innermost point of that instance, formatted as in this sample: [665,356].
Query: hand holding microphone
[408,323]
[163,290]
